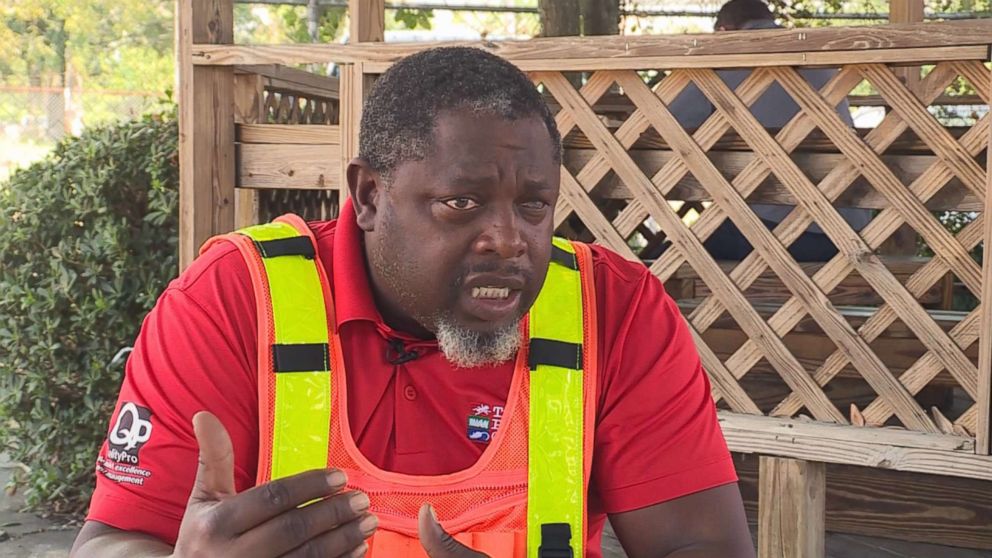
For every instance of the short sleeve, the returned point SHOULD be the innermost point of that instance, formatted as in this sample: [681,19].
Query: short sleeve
[195,351]
[657,436]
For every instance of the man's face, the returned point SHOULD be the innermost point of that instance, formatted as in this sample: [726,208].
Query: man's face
[463,237]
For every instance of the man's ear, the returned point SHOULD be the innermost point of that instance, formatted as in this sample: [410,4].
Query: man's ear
[365,185]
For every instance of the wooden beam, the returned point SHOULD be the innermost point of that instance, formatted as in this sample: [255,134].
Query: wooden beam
[907,11]
[307,134]
[893,504]
[984,433]
[817,166]
[885,448]
[791,508]
[367,20]
[287,166]
[378,58]
[353,90]
[249,110]
[283,77]
[873,41]
[206,123]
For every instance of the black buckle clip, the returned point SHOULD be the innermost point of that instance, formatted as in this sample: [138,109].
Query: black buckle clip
[556,541]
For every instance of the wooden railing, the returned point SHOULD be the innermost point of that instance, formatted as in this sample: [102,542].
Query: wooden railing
[802,373]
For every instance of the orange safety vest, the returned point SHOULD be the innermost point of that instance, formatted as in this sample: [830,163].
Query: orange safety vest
[524,497]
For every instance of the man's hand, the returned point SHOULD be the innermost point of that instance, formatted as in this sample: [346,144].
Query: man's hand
[437,542]
[267,520]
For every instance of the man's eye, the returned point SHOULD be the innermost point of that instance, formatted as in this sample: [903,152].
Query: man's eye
[535,204]
[461,203]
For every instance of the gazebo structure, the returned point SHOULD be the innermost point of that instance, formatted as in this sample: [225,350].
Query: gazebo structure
[877,358]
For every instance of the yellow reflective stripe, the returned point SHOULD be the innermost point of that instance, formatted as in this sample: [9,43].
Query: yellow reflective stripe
[302,419]
[302,400]
[555,492]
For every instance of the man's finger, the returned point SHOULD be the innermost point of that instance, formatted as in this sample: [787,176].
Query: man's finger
[339,522]
[264,502]
[437,542]
[215,472]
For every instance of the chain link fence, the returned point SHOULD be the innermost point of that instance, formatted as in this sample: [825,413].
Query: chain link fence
[34,119]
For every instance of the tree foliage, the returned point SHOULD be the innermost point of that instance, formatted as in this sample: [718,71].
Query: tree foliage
[88,240]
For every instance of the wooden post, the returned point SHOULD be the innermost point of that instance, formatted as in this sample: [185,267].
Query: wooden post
[249,108]
[352,95]
[907,11]
[206,126]
[983,439]
[791,508]
[367,23]
[367,20]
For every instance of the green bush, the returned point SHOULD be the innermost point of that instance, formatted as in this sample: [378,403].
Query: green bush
[87,242]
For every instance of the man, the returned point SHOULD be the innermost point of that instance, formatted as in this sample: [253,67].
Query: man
[774,109]
[437,279]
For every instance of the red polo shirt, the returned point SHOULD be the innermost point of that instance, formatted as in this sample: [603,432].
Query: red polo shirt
[657,437]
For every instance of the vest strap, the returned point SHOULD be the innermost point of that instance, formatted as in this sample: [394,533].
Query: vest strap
[293,246]
[294,361]
[301,357]
[554,353]
[561,257]
[556,487]
[555,539]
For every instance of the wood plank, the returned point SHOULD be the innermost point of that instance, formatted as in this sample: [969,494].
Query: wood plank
[907,11]
[249,99]
[884,448]
[791,135]
[206,124]
[312,134]
[927,127]
[723,380]
[880,138]
[886,222]
[898,505]
[299,167]
[874,39]
[791,508]
[246,208]
[352,98]
[379,58]
[816,165]
[367,20]
[592,217]
[689,244]
[813,299]
[896,295]
[812,348]
[293,79]
[984,431]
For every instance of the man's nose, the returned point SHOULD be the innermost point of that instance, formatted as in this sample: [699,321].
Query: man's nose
[502,237]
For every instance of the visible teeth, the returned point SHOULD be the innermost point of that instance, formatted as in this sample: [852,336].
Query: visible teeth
[490,292]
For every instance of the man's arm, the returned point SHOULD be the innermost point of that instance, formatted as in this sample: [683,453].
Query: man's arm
[98,539]
[307,514]
[701,525]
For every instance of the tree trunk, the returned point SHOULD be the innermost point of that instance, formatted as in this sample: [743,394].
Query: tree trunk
[600,17]
[559,18]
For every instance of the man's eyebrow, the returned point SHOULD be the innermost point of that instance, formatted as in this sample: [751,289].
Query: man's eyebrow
[537,184]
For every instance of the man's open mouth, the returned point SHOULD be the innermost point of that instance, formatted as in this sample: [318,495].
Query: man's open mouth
[490,292]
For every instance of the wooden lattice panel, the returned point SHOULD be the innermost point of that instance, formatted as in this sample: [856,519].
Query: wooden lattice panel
[594,207]
[290,107]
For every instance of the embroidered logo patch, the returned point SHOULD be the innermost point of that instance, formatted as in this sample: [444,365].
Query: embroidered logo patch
[483,422]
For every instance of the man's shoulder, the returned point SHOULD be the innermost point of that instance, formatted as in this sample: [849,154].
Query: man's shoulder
[222,262]
[611,268]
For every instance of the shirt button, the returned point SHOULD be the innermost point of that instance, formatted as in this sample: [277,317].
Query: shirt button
[410,393]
